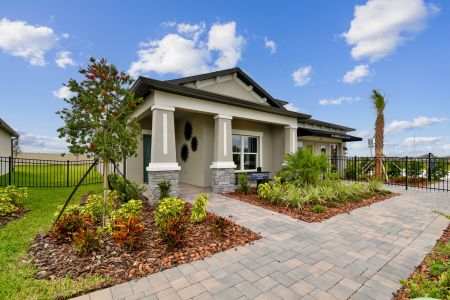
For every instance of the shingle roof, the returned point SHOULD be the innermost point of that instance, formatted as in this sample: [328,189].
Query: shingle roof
[8,128]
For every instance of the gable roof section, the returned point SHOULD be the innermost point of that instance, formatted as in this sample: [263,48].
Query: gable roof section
[240,74]
[322,133]
[326,124]
[143,86]
[8,128]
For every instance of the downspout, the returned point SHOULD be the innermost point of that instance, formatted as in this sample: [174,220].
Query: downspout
[12,151]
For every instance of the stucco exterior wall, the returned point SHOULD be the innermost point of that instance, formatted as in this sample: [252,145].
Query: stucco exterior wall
[196,169]
[5,150]
[317,142]
[135,165]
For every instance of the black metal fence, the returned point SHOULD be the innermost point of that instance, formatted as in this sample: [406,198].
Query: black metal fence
[24,172]
[429,173]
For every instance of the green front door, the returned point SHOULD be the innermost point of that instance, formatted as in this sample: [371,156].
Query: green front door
[147,140]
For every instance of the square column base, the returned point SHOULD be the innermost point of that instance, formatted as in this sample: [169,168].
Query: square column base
[154,177]
[223,180]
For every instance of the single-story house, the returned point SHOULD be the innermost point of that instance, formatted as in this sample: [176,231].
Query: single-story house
[201,130]
[7,136]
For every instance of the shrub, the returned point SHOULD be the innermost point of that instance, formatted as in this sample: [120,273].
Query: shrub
[243,183]
[69,224]
[127,190]
[440,170]
[164,187]
[272,191]
[10,199]
[86,240]
[293,197]
[170,216]
[94,205]
[127,231]
[198,213]
[132,208]
[421,286]
[415,168]
[393,168]
[318,209]
[70,209]
[304,167]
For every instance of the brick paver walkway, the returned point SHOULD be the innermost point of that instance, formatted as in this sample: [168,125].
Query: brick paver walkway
[361,255]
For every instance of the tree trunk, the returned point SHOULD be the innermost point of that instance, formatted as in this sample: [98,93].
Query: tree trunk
[379,141]
[105,191]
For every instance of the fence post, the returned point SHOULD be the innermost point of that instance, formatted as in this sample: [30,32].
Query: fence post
[429,167]
[354,167]
[9,170]
[406,173]
[67,172]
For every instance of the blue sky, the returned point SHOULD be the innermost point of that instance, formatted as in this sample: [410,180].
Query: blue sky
[324,57]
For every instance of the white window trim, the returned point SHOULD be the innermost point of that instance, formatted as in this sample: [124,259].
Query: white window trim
[259,134]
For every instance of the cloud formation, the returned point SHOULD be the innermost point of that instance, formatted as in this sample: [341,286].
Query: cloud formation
[338,101]
[302,76]
[410,141]
[187,52]
[417,123]
[63,93]
[380,26]
[271,45]
[40,143]
[63,59]
[292,107]
[357,74]
[18,38]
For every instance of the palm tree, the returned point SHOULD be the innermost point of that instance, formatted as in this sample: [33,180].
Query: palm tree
[379,103]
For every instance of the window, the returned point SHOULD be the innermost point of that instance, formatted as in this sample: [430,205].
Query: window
[300,145]
[245,152]
[323,149]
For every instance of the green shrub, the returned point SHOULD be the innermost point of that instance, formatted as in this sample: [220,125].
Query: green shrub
[393,168]
[94,205]
[69,224]
[272,191]
[421,286]
[318,209]
[304,168]
[243,183]
[10,199]
[164,187]
[86,241]
[126,189]
[132,208]
[293,197]
[415,168]
[170,217]
[198,213]
[440,169]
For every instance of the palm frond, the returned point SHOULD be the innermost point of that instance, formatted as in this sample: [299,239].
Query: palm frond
[378,101]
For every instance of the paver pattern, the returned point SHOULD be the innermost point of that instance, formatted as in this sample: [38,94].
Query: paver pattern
[360,255]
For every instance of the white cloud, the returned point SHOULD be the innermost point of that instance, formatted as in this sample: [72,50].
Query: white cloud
[63,93]
[380,26]
[186,53]
[20,39]
[338,101]
[420,122]
[223,38]
[445,147]
[63,59]
[292,107]
[65,35]
[40,143]
[271,45]
[364,134]
[357,74]
[410,141]
[302,76]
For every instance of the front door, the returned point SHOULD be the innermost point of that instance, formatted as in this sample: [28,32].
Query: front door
[147,141]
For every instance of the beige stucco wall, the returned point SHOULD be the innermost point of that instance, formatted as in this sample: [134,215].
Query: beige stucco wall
[196,170]
[317,142]
[5,143]
[135,165]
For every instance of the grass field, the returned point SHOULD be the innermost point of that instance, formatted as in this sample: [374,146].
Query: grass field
[50,175]
[16,274]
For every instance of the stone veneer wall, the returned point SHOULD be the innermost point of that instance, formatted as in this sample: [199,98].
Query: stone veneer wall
[156,176]
[223,180]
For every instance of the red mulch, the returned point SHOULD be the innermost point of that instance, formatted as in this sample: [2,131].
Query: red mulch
[306,214]
[416,182]
[14,216]
[56,260]
[423,267]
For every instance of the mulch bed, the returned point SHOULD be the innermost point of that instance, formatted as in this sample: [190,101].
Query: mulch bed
[14,216]
[423,267]
[415,182]
[57,260]
[306,214]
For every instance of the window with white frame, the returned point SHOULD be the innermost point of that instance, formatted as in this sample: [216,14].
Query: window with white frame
[246,152]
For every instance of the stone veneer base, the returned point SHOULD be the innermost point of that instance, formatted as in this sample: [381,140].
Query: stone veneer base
[223,180]
[154,177]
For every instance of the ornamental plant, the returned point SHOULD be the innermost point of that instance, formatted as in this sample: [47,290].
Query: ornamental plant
[95,206]
[198,212]
[127,231]
[98,117]
[243,183]
[125,188]
[132,208]
[170,217]
[10,199]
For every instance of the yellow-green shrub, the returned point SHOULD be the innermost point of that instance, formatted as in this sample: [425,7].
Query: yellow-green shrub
[198,213]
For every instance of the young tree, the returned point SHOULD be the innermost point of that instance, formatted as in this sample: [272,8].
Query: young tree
[379,104]
[98,119]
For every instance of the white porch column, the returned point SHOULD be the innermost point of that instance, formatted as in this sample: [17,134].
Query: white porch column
[163,163]
[223,165]
[290,139]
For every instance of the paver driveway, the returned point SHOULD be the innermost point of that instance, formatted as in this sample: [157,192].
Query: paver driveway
[361,255]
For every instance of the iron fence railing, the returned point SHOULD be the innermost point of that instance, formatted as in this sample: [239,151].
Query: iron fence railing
[429,173]
[23,172]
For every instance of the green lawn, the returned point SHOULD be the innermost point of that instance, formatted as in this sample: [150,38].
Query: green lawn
[16,276]
[49,175]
